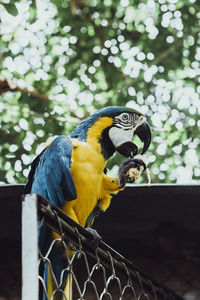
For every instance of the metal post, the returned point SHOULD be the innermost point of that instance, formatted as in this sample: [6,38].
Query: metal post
[29,248]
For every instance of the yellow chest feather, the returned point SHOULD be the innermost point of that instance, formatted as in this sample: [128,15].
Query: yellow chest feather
[87,171]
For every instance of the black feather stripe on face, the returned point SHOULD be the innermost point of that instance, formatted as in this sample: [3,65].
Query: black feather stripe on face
[126,119]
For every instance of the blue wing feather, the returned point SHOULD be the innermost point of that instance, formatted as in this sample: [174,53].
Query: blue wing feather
[52,176]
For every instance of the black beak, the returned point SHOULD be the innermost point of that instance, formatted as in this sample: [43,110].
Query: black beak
[144,133]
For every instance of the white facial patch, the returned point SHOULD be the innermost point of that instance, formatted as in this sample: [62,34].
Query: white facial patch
[119,136]
[124,126]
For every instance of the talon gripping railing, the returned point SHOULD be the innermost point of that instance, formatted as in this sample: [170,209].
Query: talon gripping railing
[97,272]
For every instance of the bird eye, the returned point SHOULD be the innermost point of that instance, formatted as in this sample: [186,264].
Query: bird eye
[125,117]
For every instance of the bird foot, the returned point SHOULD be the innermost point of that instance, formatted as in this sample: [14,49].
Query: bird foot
[130,170]
[96,237]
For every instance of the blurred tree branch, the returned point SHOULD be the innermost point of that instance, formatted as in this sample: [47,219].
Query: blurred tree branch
[7,85]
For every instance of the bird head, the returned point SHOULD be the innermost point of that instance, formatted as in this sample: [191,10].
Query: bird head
[114,128]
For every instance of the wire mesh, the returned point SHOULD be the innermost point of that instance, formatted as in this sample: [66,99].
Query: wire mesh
[96,271]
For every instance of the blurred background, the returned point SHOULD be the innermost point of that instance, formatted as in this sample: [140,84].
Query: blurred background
[62,60]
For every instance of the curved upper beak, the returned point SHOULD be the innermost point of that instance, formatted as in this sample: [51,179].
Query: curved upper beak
[144,133]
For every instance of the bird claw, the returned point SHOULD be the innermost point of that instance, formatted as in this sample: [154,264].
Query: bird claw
[136,164]
[96,237]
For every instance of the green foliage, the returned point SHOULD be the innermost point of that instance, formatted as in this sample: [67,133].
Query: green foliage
[61,60]
[11,8]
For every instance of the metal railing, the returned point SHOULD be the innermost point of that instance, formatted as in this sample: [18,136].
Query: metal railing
[97,271]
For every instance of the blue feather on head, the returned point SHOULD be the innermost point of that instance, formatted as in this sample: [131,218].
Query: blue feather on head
[109,111]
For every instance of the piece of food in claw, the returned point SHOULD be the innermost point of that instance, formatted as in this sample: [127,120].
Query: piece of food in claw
[134,173]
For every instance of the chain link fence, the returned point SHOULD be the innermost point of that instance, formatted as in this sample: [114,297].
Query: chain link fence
[96,271]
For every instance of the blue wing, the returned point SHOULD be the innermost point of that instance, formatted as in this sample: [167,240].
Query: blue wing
[50,175]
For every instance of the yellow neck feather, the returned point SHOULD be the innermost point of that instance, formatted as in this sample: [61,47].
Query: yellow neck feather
[95,132]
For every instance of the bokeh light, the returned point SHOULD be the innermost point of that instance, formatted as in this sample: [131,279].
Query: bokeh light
[67,61]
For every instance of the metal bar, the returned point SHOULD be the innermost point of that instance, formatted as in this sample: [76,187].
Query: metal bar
[47,213]
[29,248]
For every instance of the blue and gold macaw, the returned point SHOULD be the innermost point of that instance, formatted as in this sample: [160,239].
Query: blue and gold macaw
[70,172]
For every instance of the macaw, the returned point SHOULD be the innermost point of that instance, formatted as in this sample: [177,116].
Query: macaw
[70,171]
